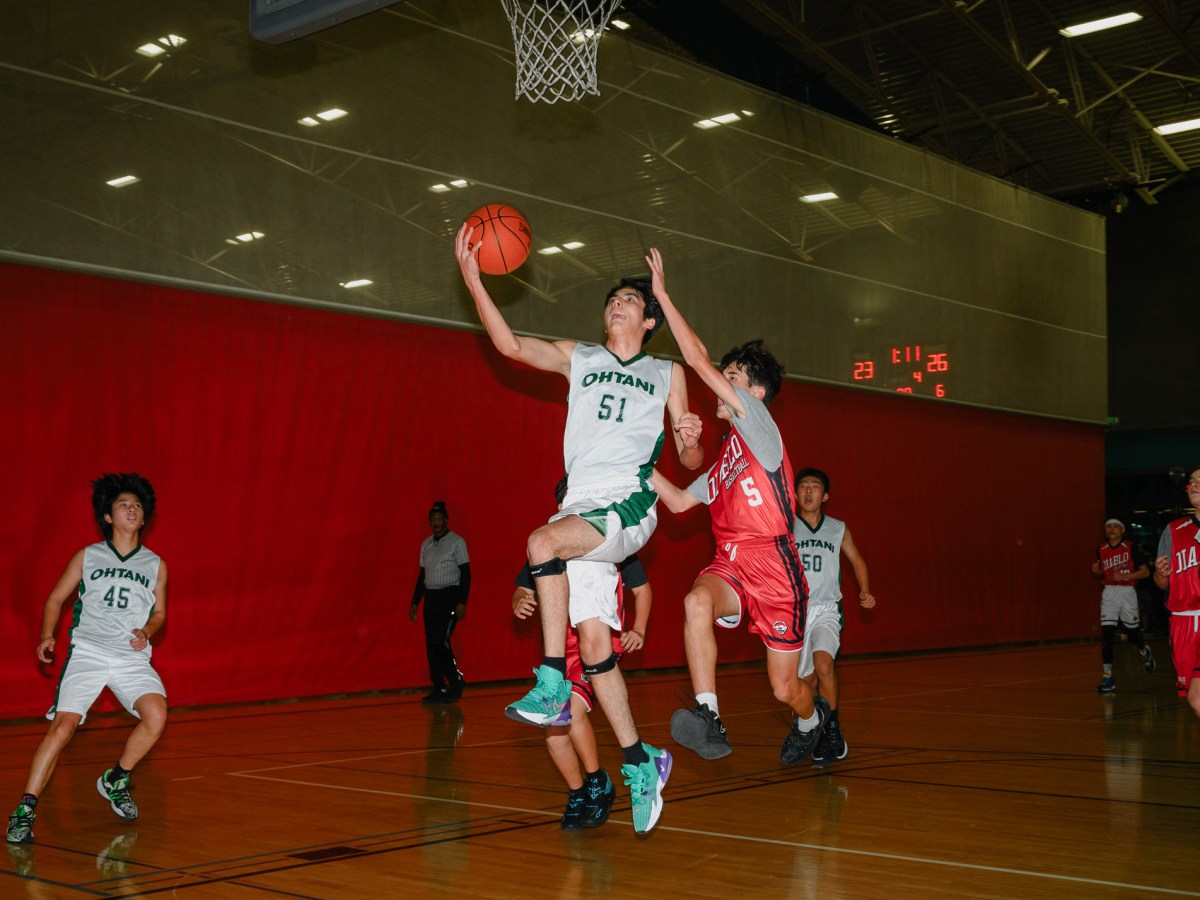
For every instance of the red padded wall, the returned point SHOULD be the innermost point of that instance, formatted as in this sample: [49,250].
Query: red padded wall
[296,452]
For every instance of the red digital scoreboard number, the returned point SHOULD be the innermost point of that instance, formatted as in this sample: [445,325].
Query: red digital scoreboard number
[905,369]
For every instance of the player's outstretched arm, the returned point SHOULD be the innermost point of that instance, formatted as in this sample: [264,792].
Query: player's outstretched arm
[685,424]
[544,355]
[63,588]
[695,354]
[674,498]
[865,598]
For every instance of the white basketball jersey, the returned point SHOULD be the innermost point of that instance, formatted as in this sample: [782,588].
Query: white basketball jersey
[614,430]
[116,595]
[821,556]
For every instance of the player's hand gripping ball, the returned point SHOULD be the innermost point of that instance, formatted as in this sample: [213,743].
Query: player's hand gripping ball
[503,236]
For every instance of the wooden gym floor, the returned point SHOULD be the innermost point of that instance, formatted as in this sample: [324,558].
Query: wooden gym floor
[983,774]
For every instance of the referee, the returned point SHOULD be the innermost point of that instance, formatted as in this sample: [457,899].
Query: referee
[444,580]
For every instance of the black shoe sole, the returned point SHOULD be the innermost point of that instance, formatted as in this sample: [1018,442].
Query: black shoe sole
[691,731]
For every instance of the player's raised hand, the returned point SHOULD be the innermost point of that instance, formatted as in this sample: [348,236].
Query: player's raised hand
[467,253]
[658,282]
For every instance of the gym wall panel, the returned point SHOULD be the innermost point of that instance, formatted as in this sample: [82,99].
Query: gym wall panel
[296,451]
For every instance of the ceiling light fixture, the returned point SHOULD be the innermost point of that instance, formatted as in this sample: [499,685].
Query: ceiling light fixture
[161,45]
[620,24]
[819,198]
[330,114]
[356,282]
[1176,127]
[724,119]
[245,238]
[550,251]
[1100,24]
[573,245]
[123,181]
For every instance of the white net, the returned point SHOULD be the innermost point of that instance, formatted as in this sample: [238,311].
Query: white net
[556,43]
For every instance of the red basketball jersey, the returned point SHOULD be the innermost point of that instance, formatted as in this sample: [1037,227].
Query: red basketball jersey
[746,501]
[1124,557]
[1185,564]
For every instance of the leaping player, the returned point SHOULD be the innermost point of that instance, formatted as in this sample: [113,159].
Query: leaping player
[613,437]
[756,570]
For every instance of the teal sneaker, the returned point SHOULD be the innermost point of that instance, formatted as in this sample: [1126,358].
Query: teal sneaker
[646,783]
[20,825]
[117,795]
[549,703]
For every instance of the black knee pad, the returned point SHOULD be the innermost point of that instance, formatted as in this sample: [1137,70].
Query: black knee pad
[601,667]
[553,566]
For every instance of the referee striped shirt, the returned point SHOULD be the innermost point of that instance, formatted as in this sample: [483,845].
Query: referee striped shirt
[440,558]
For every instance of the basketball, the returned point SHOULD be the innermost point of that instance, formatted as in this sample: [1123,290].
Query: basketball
[503,235]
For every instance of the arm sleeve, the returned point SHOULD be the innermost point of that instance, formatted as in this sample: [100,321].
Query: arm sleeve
[524,578]
[699,488]
[633,573]
[1164,542]
[464,582]
[419,587]
[759,431]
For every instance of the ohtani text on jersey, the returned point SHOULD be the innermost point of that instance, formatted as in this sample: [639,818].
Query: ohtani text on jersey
[617,378]
[812,542]
[121,573]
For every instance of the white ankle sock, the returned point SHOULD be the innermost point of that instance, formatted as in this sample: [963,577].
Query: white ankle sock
[709,700]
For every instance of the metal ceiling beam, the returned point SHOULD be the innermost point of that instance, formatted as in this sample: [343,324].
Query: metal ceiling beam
[1057,104]
[811,46]
[1139,117]
[1028,160]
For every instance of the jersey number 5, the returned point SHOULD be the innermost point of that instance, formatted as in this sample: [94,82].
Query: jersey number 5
[754,498]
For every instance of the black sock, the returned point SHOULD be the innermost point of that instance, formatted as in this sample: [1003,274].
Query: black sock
[29,800]
[636,755]
[556,662]
[118,773]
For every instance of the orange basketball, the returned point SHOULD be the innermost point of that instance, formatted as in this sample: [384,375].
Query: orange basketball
[503,235]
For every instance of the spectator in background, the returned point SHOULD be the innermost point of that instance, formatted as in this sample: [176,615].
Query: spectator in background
[444,581]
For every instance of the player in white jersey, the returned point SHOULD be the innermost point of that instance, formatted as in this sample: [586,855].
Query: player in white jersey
[613,436]
[121,601]
[821,542]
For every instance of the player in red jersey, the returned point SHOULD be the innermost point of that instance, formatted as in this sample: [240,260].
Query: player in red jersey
[1119,562]
[1177,570]
[756,568]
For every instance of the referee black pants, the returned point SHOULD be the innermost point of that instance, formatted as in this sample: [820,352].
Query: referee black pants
[439,626]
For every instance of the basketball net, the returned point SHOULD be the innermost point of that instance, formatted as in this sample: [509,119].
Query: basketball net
[556,43]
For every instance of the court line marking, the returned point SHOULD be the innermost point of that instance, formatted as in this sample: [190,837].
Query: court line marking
[920,860]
